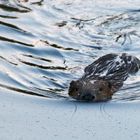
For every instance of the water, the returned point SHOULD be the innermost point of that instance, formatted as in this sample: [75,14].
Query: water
[44,44]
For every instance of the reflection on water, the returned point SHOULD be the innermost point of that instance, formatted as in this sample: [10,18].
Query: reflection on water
[44,44]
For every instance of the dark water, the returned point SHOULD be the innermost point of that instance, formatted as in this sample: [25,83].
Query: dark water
[44,44]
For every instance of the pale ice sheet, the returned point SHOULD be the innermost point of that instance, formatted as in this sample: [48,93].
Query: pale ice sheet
[33,118]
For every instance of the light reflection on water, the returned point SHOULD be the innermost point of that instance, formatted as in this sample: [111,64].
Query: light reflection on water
[44,44]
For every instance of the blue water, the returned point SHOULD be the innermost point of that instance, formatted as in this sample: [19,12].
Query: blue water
[44,44]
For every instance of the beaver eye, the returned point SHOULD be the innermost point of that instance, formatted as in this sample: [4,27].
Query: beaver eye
[109,85]
[76,89]
[100,89]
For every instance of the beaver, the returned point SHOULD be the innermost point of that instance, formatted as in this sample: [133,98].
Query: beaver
[104,77]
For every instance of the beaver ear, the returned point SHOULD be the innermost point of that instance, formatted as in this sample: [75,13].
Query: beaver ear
[72,83]
[109,85]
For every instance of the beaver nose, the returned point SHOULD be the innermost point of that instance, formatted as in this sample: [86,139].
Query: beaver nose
[88,97]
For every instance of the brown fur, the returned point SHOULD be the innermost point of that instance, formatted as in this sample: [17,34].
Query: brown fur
[100,90]
[104,77]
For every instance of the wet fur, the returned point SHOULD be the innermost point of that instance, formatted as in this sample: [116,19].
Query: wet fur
[107,73]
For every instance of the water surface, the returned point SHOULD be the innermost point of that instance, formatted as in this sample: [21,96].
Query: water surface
[44,44]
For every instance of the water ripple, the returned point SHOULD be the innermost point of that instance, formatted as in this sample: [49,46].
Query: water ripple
[47,43]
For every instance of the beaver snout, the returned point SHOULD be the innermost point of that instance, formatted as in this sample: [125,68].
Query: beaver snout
[88,97]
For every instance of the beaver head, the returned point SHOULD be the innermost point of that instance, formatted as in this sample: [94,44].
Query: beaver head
[95,90]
